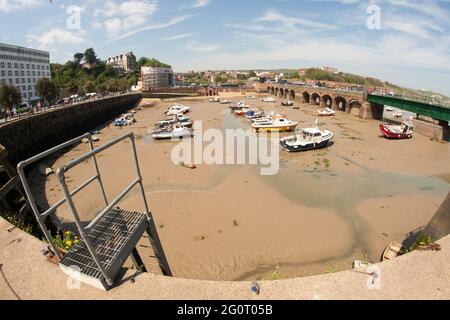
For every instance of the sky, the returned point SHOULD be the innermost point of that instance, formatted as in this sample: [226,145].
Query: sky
[406,42]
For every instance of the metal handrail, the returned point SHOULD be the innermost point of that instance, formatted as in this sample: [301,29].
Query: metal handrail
[41,216]
[84,231]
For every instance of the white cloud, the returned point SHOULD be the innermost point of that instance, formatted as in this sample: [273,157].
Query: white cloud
[12,5]
[55,36]
[201,3]
[178,36]
[119,18]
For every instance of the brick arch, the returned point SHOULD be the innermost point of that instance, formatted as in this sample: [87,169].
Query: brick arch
[306,97]
[292,95]
[277,90]
[281,93]
[272,90]
[341,103]
[315,99]
[355,107]
[327,100]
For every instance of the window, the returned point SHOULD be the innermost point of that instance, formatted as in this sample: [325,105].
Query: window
[16,65]
[23,80]
[22,73]
[10,81]
[10,73]
[28,73]
[24,88]
[29,80]
[33,66]
[28,66]
[9,64]
[39,73]
[34,73]
[2,64]
[39,67]
[17,80]
[21,66]
[3,73]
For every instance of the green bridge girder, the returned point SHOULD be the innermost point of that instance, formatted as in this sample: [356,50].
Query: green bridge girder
[421,108]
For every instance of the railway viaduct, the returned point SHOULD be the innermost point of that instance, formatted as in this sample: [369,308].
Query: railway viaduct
[346,101]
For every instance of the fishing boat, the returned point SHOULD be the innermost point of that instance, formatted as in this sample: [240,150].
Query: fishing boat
[225,101]
[326,113]
[309,139]
[277,124]
[269,117]
[398,114]
[287,103]
[171,132]
[182,118]
[403,131]
[166,122]
[214,100]
[269,99]
[392,250]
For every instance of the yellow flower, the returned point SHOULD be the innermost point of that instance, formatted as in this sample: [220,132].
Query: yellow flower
[75,242]
[68,243]
[67,233]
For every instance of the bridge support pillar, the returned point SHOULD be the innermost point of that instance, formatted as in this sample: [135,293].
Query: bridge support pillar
[371,110]
[434,131]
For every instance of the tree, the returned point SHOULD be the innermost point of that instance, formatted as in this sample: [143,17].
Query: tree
[252,74]
[46,90]
[89,86]
[90,57]
[77,57]
[9,97]
[142,61]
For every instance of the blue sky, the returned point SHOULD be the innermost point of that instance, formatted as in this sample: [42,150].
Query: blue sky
[411,47]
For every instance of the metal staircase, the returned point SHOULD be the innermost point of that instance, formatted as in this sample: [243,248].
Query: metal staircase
[108,240]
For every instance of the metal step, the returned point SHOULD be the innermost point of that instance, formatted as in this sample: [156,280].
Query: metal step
[113,238]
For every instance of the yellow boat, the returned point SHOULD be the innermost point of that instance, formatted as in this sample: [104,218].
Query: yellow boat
[275,125]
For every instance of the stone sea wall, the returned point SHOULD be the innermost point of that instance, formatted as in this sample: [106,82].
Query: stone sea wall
[31,135]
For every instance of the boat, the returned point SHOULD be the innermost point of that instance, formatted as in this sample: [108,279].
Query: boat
[287,103]
[277,124]
[390,109]
[251,97]
[309,139]
[403,131]
[214,100]
[327,112]
[392,250]
[182,118]
[237,106]
[123,121]
[165,123]
[252,114]
[398,114]
[171,132]
[241,112]
[178,109]
[269,99]
[225,101]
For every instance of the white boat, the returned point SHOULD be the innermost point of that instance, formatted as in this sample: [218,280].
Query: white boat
[178,109]
[214,100]
[390,109]
[287,103]
[326,112]
[251,97]
[277,124]
[398,114]
[225,101]
[269,99]
[309,139]
[171,133]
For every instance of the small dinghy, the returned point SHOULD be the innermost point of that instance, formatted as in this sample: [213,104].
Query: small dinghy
[309,139]
[241,112]
[287,103]
[214,100]
[328,112]
[392,250]
[178,109]
[403,131]
[165,123]
[171,133]
[237,106]
[225,101]
[274,125]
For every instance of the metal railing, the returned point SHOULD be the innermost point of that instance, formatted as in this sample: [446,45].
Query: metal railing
[41,216]
[84,231]
[425,100]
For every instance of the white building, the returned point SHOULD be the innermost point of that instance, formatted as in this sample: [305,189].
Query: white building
[156,77]
[23,67]
[124,62]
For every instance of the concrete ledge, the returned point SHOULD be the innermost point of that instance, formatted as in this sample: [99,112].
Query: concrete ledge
[25,274]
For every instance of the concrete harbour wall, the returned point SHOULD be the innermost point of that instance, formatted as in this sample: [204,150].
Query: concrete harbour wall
[33,134]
